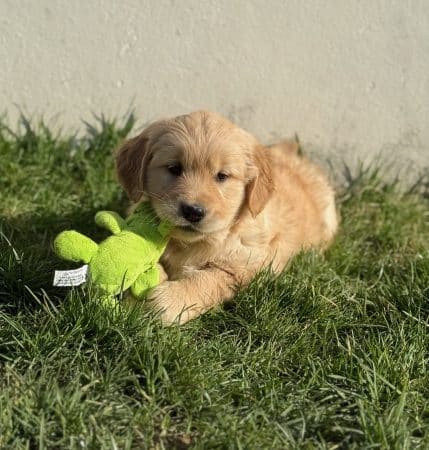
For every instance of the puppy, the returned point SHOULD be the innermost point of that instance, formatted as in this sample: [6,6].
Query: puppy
[237,207]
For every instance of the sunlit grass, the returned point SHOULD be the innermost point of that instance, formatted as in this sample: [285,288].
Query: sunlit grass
[332,354]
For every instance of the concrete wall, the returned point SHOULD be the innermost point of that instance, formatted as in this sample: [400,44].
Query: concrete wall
[350,77]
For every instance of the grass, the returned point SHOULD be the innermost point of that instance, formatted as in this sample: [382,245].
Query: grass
[332,354]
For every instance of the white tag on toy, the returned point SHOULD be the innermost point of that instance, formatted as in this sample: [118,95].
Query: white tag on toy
[74,277]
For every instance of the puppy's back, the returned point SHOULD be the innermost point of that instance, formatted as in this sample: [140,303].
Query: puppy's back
[305,188]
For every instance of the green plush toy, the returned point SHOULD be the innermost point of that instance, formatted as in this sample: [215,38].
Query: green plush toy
[127,259]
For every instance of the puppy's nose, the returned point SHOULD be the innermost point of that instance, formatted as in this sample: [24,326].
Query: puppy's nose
[192,213]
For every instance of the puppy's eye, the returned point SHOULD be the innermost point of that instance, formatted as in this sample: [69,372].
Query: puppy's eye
[175,169]
[221,176]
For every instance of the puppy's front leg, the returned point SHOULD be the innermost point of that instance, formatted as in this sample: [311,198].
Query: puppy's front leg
[182,300]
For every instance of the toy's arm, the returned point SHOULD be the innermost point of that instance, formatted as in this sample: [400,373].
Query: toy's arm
[146,281]
[111,221]
[74,246]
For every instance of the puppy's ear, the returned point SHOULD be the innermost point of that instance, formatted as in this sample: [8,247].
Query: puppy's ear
[261,185]
[131,160]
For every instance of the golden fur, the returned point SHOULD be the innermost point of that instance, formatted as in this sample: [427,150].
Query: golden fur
[272,204]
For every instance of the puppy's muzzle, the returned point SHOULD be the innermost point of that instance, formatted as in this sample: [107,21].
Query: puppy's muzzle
[192,213]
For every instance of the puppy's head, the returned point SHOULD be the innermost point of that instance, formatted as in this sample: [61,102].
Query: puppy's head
[199,171]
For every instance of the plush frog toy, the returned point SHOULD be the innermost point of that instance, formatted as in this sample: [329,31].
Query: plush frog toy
[127,259]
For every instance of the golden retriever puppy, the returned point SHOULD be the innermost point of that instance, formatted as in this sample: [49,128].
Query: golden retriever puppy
[237,207]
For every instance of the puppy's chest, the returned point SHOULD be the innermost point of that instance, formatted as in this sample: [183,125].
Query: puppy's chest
[179,258]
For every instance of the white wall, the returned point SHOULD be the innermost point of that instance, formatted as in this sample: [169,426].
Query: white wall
[350,77]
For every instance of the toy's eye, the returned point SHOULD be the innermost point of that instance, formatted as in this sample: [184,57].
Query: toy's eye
[221,176]
[175,169]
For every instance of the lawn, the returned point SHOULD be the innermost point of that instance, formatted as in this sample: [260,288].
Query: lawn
[331,354]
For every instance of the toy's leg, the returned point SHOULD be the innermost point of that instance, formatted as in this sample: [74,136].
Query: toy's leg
[110,220]
[145,282]
[74,246]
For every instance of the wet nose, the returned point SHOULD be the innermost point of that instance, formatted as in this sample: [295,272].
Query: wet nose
[192,213]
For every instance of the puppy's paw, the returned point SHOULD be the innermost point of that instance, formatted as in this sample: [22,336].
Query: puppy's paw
[169,300]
